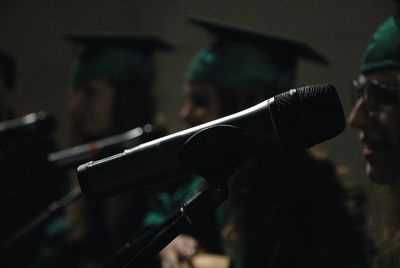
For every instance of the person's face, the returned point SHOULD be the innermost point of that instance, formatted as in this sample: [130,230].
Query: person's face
[91,108]
[200,105]
[376,115]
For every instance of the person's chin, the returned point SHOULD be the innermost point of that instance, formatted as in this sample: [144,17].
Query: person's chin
[380,175]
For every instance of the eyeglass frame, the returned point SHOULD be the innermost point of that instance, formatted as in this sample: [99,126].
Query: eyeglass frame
[373,107]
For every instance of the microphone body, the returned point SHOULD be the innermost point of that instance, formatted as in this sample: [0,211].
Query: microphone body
[297,118]
[83,153]
[155,161]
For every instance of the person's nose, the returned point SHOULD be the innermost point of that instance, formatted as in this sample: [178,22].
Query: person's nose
[76,102]
[359,116]
[186,112]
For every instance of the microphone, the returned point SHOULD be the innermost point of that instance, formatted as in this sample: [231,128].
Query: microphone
[33,123]
[298,118]
[83,153]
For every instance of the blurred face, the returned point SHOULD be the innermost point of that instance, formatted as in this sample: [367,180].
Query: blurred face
[91,108]
[376,115]
[200,105]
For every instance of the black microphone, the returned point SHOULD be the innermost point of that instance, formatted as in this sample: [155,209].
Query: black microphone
[72,157]
[298,118]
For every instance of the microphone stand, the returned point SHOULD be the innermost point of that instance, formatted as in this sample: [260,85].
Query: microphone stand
[51,210]
[200,206]
[231,141]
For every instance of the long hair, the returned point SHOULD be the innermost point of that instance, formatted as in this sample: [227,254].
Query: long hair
[384,225]
[134,105]
[100,227]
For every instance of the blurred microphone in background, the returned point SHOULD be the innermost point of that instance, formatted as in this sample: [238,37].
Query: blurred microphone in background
[29,183]
[74,156]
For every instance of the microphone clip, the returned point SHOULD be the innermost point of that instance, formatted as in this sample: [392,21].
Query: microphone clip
[205,153]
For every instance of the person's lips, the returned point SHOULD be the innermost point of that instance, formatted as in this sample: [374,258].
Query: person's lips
[372,149]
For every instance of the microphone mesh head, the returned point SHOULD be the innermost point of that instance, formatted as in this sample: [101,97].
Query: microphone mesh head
[308,115]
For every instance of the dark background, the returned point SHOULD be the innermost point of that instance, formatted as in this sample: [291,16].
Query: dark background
[32,32]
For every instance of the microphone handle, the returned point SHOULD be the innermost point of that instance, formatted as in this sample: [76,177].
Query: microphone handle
[162,160]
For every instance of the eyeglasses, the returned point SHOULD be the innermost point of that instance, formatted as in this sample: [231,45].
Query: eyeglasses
[375,94]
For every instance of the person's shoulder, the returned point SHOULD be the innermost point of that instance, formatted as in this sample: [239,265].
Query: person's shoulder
[317,172]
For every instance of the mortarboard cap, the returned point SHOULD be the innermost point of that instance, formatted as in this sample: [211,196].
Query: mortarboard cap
[115,55]
[244,58]
[383,51]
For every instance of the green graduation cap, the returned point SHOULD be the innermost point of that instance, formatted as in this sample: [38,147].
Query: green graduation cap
[384,50]
[244,58]
[115,55]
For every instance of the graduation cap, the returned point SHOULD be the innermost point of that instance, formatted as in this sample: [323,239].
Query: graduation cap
[244,58]
[383,51]
[7,70]
[115,55]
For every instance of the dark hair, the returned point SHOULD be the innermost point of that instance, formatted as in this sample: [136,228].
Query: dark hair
[134,104]
[7,69]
